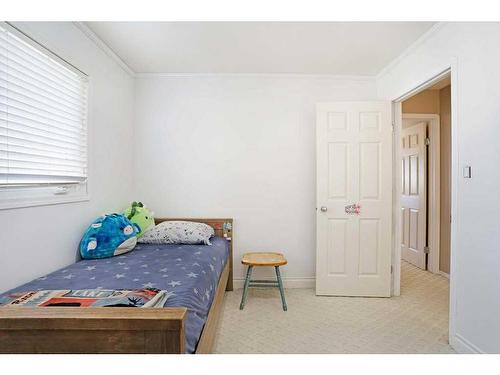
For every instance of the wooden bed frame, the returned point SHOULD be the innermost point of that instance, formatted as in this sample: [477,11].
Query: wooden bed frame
[117,330]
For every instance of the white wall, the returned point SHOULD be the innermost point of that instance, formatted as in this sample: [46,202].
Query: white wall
[475,251]
[38,240]
[242,147]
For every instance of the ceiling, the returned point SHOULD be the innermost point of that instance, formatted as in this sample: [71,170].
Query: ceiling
[338,48]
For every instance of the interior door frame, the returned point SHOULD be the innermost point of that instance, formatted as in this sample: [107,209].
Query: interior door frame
[452,70]
[434,187]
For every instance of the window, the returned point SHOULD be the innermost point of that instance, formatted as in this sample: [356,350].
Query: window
[43,124]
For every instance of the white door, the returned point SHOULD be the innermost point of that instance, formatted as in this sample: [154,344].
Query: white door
[354,169]
[413,190]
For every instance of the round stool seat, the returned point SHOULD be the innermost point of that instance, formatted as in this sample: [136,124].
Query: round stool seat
[264,259]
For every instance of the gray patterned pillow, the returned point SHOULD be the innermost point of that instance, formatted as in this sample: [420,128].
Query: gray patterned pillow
[178,232]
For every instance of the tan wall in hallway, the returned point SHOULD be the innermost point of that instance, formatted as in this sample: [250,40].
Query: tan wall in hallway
[424,102]
[445,166]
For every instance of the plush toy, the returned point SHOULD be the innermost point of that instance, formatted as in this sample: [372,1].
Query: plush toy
[140,215]
[107,236]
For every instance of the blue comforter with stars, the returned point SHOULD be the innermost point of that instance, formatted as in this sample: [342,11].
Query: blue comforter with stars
[190,272]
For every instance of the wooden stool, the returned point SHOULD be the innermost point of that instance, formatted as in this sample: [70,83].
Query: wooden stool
[263,260]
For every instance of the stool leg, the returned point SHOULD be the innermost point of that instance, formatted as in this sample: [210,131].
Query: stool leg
[245,289]
[280,284]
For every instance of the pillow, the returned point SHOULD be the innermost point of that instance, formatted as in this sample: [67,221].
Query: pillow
[107,236]
[179,232]
[138,214]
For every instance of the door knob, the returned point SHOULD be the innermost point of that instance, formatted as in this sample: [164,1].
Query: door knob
[323,209]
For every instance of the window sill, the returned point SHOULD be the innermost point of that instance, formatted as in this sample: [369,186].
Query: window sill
[49,201]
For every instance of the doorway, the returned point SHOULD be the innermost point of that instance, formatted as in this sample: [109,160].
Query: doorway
[440,228]
[425,143]
[447,77]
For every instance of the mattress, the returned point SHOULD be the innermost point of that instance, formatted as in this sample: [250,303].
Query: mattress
[190,272]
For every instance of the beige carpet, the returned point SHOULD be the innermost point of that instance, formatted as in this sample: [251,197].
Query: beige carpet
[415,322]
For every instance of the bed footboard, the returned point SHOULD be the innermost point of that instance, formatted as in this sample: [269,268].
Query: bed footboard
[92,330]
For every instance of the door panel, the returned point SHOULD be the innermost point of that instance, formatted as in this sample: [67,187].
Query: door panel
[337,171]
[413,174]
[369,166]
[413,199]
[337,232]
[354,166]
[368,246]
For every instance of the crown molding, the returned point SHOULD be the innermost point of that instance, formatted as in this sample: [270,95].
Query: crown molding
[424,37]
[335,77]
[104,47]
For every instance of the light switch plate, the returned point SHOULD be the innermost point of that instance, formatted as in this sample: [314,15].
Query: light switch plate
[467,172]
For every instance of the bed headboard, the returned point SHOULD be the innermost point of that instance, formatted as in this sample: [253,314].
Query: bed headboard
[222,228]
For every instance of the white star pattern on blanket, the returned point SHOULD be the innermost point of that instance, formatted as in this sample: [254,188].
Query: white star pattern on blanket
[90,268]
[173,284]
[192,274]
[119,275]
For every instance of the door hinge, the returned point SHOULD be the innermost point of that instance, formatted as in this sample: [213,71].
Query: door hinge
[426,249]
[427,141]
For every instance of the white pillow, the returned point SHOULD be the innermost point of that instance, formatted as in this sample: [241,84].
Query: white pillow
[178,232]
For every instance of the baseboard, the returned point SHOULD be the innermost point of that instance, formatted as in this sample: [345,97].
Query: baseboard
[288,282]
[464,346]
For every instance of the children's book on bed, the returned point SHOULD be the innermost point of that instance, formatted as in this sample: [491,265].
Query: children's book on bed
[148,297]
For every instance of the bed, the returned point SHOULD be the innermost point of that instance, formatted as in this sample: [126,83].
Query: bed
[196,275]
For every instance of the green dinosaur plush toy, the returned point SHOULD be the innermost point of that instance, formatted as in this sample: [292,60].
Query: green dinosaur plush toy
[138,214]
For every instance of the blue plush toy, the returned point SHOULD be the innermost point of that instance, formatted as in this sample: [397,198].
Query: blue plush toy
[107,236]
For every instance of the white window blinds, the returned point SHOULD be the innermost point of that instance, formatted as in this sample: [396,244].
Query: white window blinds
[43,115]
